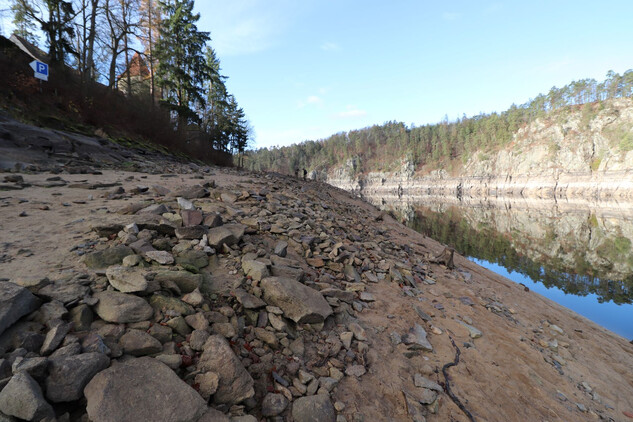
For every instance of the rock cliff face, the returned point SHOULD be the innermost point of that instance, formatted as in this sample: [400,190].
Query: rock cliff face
[586,152]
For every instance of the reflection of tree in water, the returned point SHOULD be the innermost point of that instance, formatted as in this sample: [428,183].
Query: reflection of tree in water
[488,244]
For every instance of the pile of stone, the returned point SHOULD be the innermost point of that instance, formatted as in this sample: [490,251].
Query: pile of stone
[209,304]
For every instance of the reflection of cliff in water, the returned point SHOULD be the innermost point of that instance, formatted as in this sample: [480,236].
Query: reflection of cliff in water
[579,249]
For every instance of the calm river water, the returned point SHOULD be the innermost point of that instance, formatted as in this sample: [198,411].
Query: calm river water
[578,254]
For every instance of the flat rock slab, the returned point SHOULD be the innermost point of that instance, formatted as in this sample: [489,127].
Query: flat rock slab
[417,338]
[69,375]
[107,257]
[299,302]
[187,282]
[235,383]
[247,300]
[139,343]
[122,308]
[316,408]
[142,389]
[15,302]
[127,279]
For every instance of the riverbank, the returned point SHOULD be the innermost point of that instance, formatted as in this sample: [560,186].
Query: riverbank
[522,357]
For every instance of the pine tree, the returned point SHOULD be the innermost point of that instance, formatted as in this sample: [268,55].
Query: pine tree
[55,18]
[182,68]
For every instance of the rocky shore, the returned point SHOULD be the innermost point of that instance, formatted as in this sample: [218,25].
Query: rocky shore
[208,294]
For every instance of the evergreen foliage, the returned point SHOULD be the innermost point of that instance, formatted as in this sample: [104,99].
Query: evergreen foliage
[182,68]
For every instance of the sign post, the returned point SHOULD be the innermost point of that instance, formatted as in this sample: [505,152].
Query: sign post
[40,69]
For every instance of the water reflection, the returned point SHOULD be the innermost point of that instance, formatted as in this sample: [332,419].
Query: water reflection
[582,249]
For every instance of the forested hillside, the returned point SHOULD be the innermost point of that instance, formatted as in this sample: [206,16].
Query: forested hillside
[448,144]
[138,69]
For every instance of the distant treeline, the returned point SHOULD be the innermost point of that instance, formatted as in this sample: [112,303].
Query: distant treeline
[380,147]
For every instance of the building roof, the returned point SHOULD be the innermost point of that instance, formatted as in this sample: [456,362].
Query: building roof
[138,67]
[29,48]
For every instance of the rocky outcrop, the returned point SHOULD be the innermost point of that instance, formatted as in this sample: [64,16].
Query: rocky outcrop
[565,155]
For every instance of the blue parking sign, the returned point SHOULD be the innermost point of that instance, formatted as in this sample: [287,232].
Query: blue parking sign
[40,69]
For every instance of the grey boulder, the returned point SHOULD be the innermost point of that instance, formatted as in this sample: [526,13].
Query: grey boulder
[122,308]
[22,397]
[316,408]
[69,375]
[142,389]
[15,302]
[235,383]
[299,302]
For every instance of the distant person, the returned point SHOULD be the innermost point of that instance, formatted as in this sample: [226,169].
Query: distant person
[297,173]
[305,174]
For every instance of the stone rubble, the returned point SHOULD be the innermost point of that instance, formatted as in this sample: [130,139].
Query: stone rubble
[220,304]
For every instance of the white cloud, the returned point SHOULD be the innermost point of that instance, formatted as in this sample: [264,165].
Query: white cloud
[310,100]
[330,46]
[351,112]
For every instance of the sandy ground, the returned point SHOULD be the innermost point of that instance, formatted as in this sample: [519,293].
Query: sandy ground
[508,374]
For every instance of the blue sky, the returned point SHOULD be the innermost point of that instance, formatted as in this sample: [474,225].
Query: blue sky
[305,69]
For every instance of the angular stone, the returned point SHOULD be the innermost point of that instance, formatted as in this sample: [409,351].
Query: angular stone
[198,338]
[208,383]
[299,302]
[316,408]
[156,209]
[185,204]
[191,217]
[267,337]
[346,339]
[191,192]
[162,257]
[127,279]
[54,337]
[255,269]
[36,367]
[142,389]
[81,317]
[248,300]
[286,272]
[70,374]
[64,291]
[193,258]
[15,302]
[190,232]
[107,257]
[417,337]
[161,333]
[122,308]
[472,331]
[139,343]
[165,303]
[235,384]
[424,382]
[22,397]
[219,236]
[359,332]
[273,404]
[194,298]
[187,282]
[355,370]
[281,248]
[197,321]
